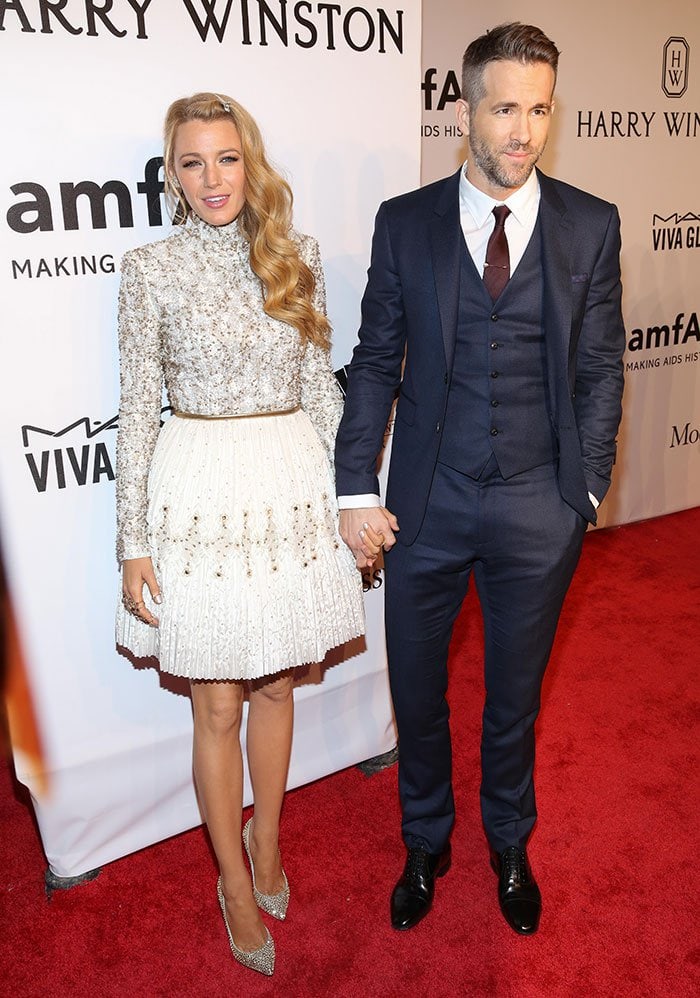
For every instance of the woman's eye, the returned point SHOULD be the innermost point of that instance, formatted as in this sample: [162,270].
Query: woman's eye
[189,163]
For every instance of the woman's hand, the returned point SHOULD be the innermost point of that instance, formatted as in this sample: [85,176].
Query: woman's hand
[366,531]
[136,572]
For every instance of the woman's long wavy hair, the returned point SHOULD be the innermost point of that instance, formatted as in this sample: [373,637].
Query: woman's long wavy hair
[265,219]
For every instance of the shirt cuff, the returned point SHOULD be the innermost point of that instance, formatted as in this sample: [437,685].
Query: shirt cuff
[358,502]
[594,502]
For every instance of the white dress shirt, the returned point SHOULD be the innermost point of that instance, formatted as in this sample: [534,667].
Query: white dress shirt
[477,219]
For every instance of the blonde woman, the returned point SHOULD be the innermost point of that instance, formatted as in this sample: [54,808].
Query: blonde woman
[233,571]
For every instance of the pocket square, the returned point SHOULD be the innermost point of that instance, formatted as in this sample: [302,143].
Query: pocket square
[579,278]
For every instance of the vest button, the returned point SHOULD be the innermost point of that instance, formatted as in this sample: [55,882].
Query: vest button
[494,403]
[494,346]
[494,374]
[446,377]
[494,432]
[494,317]
[437,428]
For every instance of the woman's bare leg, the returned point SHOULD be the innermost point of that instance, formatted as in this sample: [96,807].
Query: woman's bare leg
[269,745]
[218,771]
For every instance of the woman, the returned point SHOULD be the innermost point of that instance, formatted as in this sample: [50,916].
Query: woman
[233,571]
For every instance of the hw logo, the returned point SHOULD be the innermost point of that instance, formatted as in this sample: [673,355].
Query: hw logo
[674,77]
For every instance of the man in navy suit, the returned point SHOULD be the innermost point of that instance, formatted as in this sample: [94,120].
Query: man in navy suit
[509,391]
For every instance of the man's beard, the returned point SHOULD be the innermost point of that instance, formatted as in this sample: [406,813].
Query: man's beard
[502,174]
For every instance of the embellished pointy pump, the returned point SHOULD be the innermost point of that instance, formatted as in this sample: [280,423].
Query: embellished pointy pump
[274,904]
[261,959]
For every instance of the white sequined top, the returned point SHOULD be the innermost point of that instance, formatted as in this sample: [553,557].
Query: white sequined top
[191,313]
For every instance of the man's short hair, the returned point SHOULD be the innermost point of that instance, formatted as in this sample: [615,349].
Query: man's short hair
[515,41]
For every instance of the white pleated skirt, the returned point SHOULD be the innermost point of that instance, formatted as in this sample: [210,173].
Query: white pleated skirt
[243,534]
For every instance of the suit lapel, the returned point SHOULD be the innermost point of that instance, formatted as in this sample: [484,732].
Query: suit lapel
[445,241]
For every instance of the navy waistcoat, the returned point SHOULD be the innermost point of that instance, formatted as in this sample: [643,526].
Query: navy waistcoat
[498,401]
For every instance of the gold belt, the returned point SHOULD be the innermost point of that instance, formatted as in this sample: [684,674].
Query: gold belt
[238,415]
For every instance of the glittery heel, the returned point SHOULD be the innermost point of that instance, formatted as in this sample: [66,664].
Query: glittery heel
[273,904]
[261,959]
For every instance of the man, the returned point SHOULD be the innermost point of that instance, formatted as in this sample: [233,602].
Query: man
[504,440]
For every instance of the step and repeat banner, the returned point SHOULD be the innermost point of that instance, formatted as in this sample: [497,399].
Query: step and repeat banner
[338,90]
[85,87]
[627,128]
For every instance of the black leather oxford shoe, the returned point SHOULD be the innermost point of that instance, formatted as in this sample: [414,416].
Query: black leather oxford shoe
[412,897]
[518,894]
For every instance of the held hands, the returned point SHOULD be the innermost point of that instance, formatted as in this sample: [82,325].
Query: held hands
[366,531]
[136,572]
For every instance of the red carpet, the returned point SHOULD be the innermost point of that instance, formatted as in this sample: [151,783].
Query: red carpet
[615,850]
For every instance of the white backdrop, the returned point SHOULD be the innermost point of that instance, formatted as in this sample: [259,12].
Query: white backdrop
[84,96]
[627,128]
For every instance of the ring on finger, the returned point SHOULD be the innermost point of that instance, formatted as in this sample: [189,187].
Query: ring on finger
[132,606]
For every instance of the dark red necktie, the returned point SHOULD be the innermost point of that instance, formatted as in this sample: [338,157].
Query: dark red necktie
[497,268]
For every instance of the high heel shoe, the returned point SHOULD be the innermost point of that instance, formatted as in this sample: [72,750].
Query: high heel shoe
[261,959]
[273,904]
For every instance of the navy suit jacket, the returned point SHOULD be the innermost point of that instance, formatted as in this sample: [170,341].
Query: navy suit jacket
[410,310]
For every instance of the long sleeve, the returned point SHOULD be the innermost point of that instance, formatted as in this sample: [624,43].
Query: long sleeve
[599,369]
[321,397]
[375,370]
[141,375]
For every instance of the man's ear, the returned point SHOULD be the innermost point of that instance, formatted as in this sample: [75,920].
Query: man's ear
[462,113]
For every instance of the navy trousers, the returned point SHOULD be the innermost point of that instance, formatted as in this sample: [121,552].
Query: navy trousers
[522,542]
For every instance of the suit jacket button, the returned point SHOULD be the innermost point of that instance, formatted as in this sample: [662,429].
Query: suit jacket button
[437,428]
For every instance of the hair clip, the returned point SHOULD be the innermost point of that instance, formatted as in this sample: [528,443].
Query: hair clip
[225,104]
